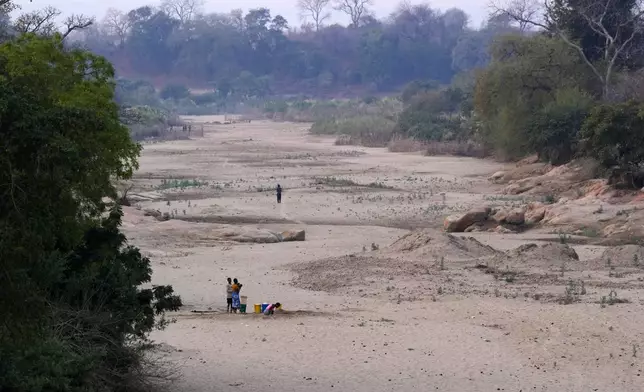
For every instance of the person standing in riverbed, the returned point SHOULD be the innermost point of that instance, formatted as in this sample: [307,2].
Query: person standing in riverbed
[229,296]
[279,194]
[235,295]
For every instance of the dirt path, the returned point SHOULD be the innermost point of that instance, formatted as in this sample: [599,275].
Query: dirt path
[381,323]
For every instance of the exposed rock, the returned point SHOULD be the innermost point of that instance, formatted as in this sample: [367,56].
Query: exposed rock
[292,235]
[458,223]
[529,160]
[535,214]
[515,217]
[499,216]
[522,186]
[152,213]
[497,176]
[249,236]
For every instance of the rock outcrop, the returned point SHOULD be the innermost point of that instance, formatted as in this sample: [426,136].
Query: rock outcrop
[291,235]
[459,223]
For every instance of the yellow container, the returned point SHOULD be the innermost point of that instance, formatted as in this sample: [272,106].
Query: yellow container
[258,308]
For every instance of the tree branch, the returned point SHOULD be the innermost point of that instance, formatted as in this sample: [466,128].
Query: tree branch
[77,22]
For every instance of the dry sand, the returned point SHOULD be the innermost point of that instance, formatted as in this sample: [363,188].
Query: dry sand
[424,312]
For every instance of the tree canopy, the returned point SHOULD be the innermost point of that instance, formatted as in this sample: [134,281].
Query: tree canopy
[415,42]
[75,316]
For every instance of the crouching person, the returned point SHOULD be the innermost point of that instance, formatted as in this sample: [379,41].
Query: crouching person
[270,309]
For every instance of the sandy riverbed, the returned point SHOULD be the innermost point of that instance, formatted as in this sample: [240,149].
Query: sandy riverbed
[358,319]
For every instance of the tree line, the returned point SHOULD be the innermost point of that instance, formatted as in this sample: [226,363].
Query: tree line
[258,53]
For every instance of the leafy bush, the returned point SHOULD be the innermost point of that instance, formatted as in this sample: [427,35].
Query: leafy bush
[554,129]
[612,134]
[370,131]
[135,92]
[433,115]
[524,76]
[416,87]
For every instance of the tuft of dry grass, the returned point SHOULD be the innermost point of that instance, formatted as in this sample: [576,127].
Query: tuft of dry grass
[406,145]
[345,140]
[461,149]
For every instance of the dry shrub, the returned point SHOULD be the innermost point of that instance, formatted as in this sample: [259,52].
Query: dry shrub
[406,145]
[374,139]
[456,148]
[368,131]
[344,140]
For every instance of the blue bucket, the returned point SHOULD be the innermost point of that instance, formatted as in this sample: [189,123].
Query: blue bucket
[264,306]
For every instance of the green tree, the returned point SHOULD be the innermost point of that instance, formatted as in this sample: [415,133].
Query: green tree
[433,115]
[75,317]
[606,34]
[554,129]
[584,20]
[524,75]
[613,135]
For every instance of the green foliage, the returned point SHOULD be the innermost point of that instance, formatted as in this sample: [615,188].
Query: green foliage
[371,131]
[174,92]
[132,93]
[614,16]
[613,135]
[524,76]
[417,87]
[75,316]
[415,43]
[434,115]
[181,184]
[553,131]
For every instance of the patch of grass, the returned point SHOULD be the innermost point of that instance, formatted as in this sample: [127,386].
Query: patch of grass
[518,200]
[549,199]
[343,182]
[612,299]
[335,181]
[379,185]
[369,131]
[573,292]
[180,184]
[563,237]
[590,232]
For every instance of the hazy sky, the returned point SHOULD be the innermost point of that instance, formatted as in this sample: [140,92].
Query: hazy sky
[475,8]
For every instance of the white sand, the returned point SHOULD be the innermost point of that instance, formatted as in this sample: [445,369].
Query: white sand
[393,329]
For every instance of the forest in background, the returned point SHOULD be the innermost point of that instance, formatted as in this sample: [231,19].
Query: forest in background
[258,53]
